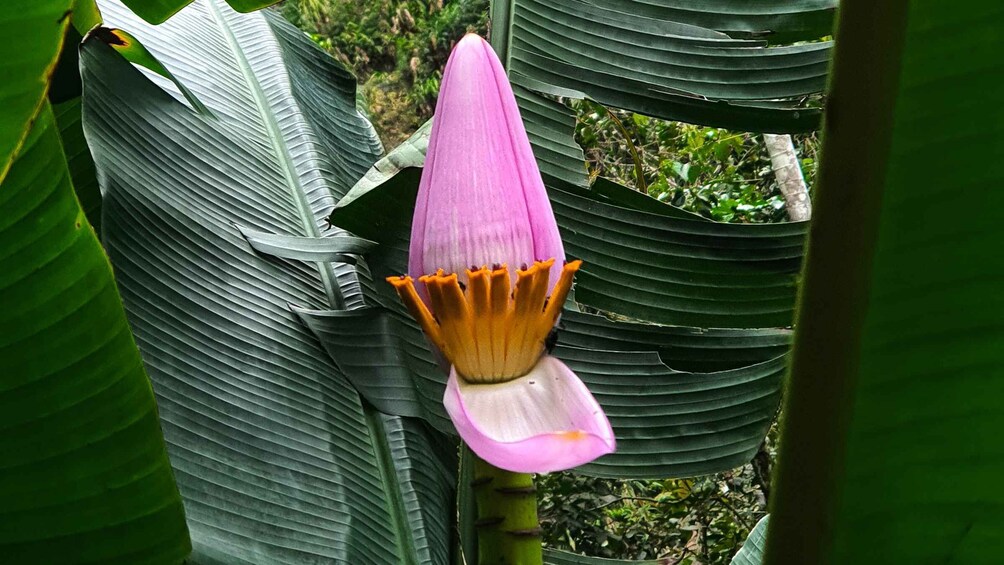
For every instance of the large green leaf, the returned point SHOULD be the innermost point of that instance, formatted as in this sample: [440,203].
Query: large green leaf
[34,32]
[662,53]
[84,475]
[673,423]
[680,347]
[786,20]
[278,458]
[891,448]
[78,157]
[751,553]
[550,126]
[621,56]
[677,271]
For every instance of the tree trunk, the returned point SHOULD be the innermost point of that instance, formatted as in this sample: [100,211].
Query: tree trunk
[784,161]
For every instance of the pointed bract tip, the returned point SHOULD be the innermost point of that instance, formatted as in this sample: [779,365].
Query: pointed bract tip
[481,199]
[471,40]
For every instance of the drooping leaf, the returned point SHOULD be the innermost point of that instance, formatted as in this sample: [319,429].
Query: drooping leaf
[620,56]
[785,19]
[775,20]
[891,441]
[673,423]
[682,348]
[680,272]
[34,31]
[340,249]
[664,54]
[84,474]
[278,458]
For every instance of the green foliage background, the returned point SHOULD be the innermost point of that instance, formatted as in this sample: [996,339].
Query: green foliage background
[397,49]
[720,174]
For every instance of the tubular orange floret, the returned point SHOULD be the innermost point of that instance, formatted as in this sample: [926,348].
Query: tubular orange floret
[499,314]
[405,288]
[479,301]
[560,293]
[488,334]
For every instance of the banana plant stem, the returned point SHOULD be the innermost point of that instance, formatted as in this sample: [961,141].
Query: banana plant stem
[507,526]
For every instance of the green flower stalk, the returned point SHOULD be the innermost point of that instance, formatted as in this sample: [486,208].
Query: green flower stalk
[507,525]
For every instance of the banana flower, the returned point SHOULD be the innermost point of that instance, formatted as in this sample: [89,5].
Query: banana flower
[488,278]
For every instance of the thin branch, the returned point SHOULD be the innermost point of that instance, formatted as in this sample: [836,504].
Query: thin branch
[721,500]
[639,171]
[622,499]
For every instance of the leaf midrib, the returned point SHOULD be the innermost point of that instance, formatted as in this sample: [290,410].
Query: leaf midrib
[384,463]
[281,151]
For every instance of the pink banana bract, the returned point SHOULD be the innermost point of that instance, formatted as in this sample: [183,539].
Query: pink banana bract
[488,276]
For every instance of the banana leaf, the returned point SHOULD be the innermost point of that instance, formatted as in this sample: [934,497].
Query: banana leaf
[78,157]
[34,29]
[654,60]
[84,473]
[891,442]
[278,459]
[751,553]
